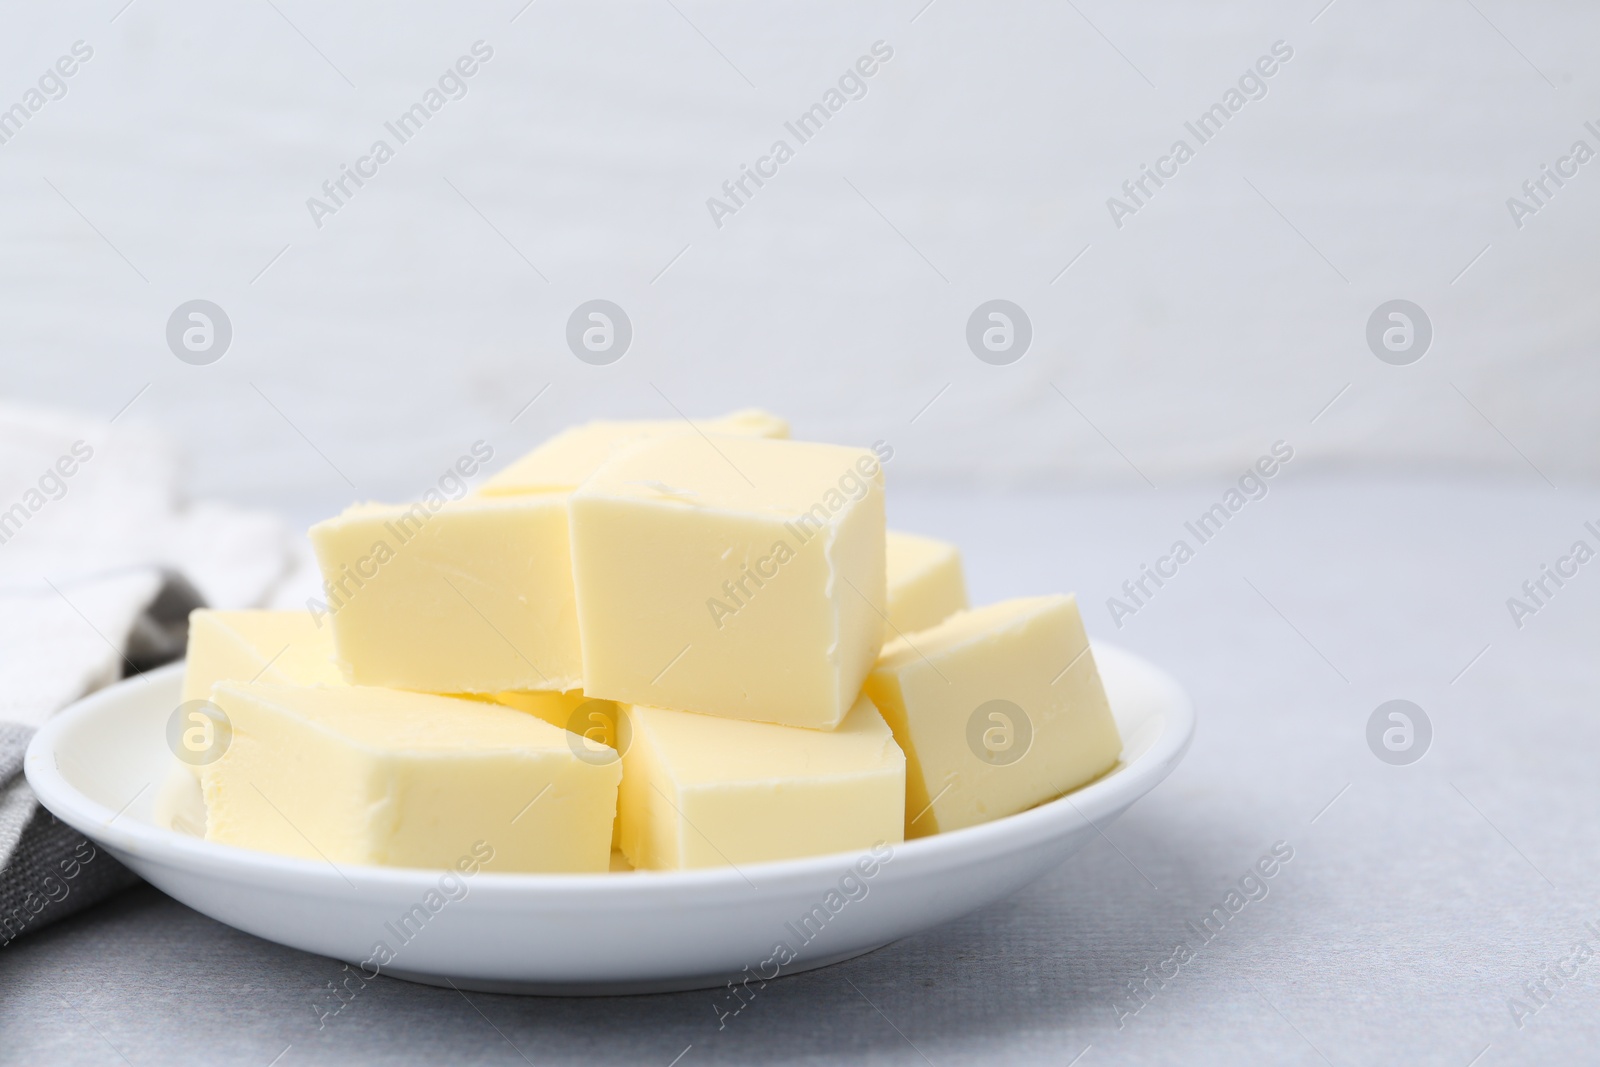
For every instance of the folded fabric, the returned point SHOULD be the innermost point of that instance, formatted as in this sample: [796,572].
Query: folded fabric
[101,558]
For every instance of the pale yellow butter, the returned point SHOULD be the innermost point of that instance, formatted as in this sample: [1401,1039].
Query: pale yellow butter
[592,721]
[997,709]
[731,576]
[470,597]
[926,585]
[244,646]
[554,708]
[569,457]
[593,724]
[364,775]
[698,791]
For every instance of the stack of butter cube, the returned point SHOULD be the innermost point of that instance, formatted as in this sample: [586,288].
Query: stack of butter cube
[656,645]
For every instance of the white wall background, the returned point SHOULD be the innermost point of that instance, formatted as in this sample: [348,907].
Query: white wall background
[1217,320]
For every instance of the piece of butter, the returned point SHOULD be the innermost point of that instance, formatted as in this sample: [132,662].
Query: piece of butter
[365,775]
[569,457]
[287,647]
[997,709]
[593,724]
[926,585]
[473,596]
[731,576]
[698,791]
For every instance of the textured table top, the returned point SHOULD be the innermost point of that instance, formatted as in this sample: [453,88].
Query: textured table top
[1421,904]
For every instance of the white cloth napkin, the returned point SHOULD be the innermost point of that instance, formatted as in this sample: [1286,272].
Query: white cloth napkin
[93,528]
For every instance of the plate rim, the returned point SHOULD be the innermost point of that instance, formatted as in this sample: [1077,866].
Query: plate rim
[1102,799]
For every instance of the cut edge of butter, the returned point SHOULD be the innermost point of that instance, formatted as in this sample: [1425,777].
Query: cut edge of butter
[703,792]
[926,581]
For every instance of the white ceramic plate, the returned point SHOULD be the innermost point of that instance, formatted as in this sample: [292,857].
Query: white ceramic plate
[103,767]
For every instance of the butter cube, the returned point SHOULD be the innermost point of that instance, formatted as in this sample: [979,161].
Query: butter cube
[287,647]
[731,576]
[467,597]
[380,776]
[698,791]
[569,457]
[997,709]
[925,582]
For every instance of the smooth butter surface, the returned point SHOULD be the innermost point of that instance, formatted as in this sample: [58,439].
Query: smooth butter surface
[926,585]
[699,791]
[474,597]
[997,709]
[379,776]
[286,647]
[565,460]
[731,576]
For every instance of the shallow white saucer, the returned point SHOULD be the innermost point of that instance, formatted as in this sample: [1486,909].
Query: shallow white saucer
[101,764]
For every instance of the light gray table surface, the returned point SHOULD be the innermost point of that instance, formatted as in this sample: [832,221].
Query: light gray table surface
[1420,899]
